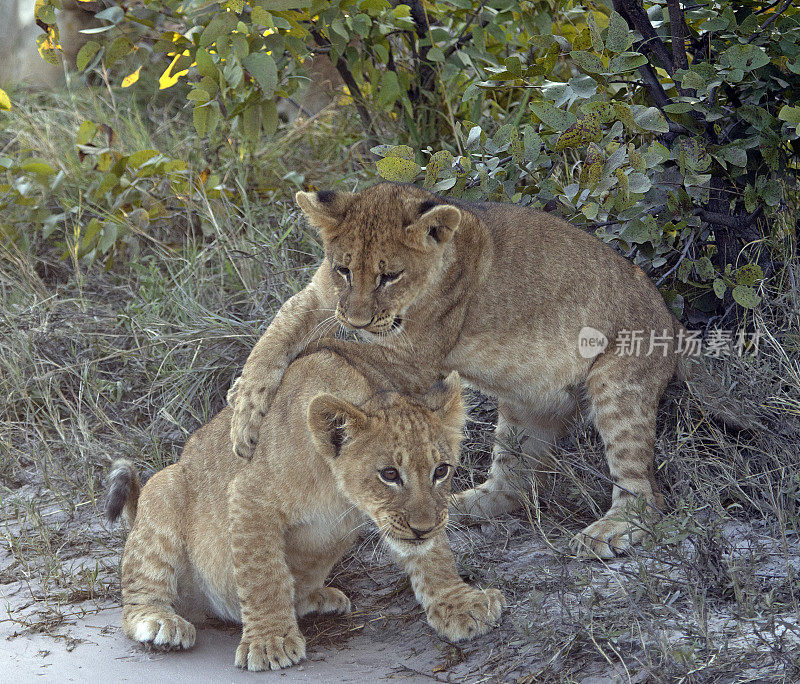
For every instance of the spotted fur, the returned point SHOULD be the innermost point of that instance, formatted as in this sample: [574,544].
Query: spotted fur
[500,293]
[253,542]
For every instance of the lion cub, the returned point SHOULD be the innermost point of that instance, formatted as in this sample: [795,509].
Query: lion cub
[504,295]
[254,541]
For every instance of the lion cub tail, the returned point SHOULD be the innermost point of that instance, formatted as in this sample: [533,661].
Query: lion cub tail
[123,491]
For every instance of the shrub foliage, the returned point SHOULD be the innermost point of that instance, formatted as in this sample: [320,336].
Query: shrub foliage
[669,129]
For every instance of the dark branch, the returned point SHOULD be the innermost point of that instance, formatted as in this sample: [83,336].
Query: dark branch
[770,20]
[633,12]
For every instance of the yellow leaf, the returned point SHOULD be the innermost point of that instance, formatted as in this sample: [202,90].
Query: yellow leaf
[167,79]
[130,79]
[5,100]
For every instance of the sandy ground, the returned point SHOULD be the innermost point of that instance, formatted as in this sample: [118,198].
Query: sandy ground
[567,619]
[97,651]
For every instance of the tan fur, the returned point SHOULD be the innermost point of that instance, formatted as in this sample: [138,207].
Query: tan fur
[254,541]
[499,293]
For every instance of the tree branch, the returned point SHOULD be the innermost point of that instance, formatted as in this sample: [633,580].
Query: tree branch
[769,21]
[677,27]
[633,12]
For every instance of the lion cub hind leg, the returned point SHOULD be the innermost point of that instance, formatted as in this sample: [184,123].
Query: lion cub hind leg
[624,393]
[454,609]
[523,441]
[153,557]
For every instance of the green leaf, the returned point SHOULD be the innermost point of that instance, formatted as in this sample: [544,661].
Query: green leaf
[551,116]
[269,117]
[205,64]
[200,120]
[704,268]
[436,164]
[745,57]
[37,166]
[86,53]
[750,198]
[650,119]
[746,296]
[580,134]
[789,114]
[720,287]
[397,169]
[389,89]
[627,61]
[594,32]
[735,155]
[140,157]
[638,182]
[618,38]
[263,69]
[251,122]
[45,13]
[588,61]
[108,237]
[118,49]
[222,24]
[592,168]
[514,66]
[198,95]
[89,233]
[402,151]
[749,274]
[260,16]
[85,133]
[113,14]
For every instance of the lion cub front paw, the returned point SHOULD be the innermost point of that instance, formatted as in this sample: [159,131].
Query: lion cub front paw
[162,629]
[271,651]
[468,615]
[324,600]
[250,406]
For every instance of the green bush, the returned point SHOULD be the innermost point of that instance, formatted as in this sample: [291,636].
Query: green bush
[672,133]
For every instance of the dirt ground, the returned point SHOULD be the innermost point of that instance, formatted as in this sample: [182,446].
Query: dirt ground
[562,613]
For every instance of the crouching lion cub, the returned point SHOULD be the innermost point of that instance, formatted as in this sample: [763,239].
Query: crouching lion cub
[254,541]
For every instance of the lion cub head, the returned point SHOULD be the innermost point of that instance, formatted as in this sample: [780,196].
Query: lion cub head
[394,458]
[385,249]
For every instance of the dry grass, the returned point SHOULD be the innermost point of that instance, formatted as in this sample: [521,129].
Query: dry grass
[128,363]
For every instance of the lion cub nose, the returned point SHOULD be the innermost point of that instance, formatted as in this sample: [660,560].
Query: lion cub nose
[420,533]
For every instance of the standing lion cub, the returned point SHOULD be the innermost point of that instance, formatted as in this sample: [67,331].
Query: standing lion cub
[503,294]
[254,541]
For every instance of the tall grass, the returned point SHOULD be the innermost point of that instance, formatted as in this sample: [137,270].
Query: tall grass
[97,364]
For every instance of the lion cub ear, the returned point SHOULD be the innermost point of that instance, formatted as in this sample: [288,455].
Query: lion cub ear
[325,209]
[333,422]
[436,225]
[446,401]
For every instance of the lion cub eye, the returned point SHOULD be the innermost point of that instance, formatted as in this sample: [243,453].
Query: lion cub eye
[390,475]
[441,471]
[388,278]
[342,271]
